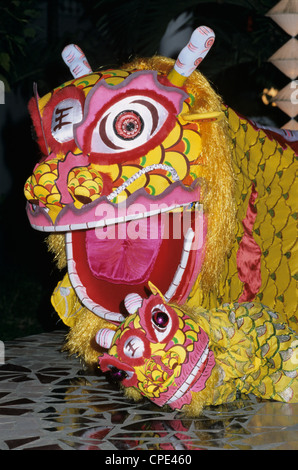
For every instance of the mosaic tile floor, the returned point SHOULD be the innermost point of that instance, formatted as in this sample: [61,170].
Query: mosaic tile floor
[49,402]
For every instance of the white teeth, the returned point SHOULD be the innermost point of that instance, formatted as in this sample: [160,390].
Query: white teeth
[183,263]
[81,290]
[106,222]
[185,386]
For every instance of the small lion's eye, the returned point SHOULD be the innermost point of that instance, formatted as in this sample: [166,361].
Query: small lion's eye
[117,375]
[160,318]
[162,322]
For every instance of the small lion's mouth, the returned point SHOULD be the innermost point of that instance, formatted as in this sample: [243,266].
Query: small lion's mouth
[108,262]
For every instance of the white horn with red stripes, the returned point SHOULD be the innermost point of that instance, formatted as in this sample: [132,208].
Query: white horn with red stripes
[104,337]
[201,41]
[76,61]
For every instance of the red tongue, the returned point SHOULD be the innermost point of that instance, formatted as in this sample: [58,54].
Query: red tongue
[125,253]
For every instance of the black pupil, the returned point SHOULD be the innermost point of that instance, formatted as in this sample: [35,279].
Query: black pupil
[130,126]
[160,319]
[117,374]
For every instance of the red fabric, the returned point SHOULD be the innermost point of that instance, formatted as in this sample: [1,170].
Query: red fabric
[249,254]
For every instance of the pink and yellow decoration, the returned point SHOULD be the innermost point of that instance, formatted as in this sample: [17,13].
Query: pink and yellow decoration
[147,178]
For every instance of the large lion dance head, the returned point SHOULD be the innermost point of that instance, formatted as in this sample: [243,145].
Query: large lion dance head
[135,182]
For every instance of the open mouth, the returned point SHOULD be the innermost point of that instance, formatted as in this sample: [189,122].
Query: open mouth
[116,248]
[121,255]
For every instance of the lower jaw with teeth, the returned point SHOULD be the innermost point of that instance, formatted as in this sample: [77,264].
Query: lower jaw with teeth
[191,382]
[129,262]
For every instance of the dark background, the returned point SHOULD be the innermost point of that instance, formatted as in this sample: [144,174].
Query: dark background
[32,36]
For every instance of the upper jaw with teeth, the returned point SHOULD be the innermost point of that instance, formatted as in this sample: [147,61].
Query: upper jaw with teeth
[104,211]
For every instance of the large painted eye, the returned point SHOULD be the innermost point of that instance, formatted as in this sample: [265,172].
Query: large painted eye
[128,124]
[159,321]
[125,121]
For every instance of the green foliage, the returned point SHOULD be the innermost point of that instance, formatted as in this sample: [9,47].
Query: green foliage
[117,31]
[243,32]
[16,28]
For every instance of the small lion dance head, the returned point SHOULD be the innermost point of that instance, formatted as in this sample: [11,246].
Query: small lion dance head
[159,351]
